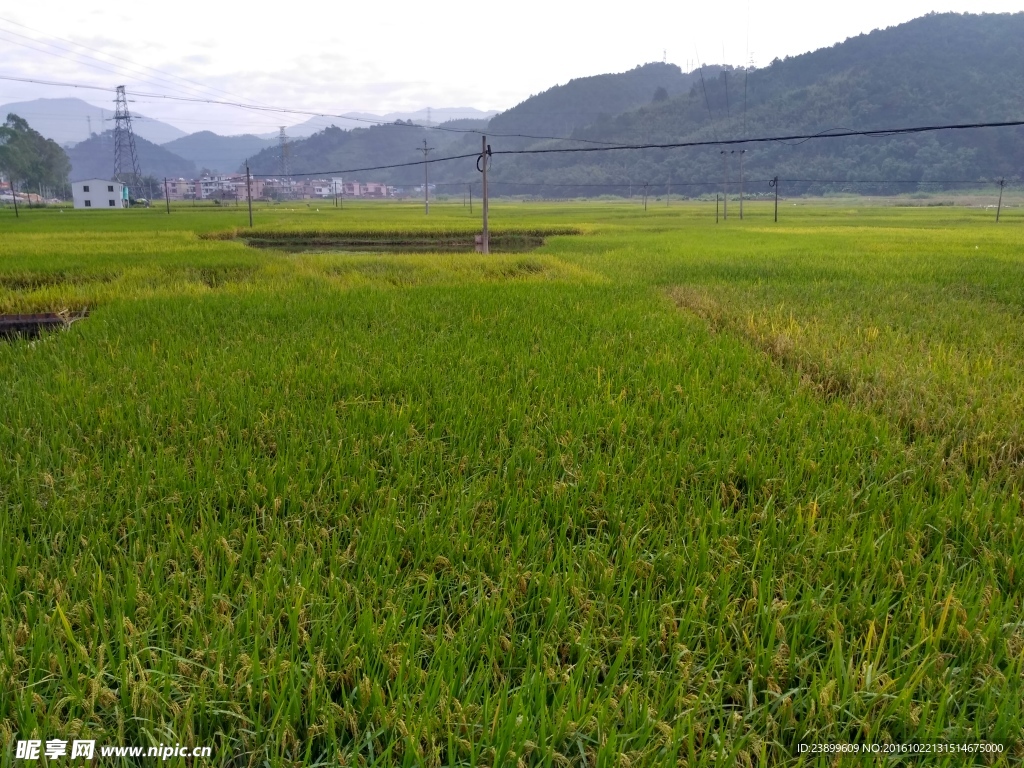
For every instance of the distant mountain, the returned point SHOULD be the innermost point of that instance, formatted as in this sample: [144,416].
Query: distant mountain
[225,154]
[67,121]
[94,159]
[420,117]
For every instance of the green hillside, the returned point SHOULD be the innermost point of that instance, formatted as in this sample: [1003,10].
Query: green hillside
[334,148]
[563,109]
[94,159]
[942,68]
[558,111]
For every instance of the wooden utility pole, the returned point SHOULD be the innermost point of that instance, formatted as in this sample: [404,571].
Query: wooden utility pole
[725,188]
[741,153]
[999,207]
[485,156]
[775,183]
[426,178]
[716,207]
[645,195]
[248,192]
[167,197]
[14,197]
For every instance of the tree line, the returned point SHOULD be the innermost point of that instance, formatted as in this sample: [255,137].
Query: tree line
[30,161]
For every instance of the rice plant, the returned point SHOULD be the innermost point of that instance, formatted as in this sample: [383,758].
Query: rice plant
[656,493]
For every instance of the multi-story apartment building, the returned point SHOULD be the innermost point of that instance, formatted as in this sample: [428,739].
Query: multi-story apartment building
[180,189]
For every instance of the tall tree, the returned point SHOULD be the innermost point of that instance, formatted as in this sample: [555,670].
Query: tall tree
[30,159]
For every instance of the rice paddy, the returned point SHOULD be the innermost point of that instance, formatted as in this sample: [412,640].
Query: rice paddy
[656,492]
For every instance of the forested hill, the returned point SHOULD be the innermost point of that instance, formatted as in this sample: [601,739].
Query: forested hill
[942,68]
[562,109]
[94,159]
[335,148]
[555,112]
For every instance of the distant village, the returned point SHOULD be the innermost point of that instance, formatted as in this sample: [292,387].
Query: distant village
[23,198]
[212,187]
[233,187]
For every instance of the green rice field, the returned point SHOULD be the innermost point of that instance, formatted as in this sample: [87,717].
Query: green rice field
[659,492]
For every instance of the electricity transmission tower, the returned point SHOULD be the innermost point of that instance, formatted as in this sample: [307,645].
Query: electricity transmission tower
[282,141]
[126,157]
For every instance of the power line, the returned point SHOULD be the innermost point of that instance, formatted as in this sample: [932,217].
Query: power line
[381,167]
[310,113]
[285,110]
[53,82]
[613,184]
[607,185]
[882,132]
[887,181]
[604,146]
[704,87]
[121,60]
[108,69]
[247,124]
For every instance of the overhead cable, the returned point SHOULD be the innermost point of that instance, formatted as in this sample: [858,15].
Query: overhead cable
[686,144]
[311,113]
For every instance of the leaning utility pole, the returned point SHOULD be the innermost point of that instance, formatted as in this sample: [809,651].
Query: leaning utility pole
[167,197]
[999,207]
[426,177]
[126,158]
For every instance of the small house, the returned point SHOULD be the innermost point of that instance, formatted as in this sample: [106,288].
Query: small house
[99,193]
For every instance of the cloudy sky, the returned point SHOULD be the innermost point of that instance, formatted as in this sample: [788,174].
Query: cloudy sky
[333,56]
